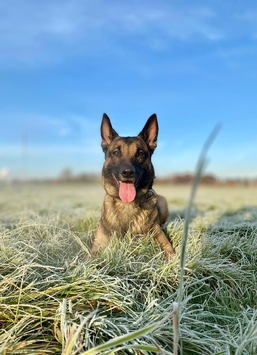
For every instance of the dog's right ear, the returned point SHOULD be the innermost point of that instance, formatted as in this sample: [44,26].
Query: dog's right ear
[107,132]
[150,132]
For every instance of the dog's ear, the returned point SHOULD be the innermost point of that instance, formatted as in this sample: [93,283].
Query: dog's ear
[150,132]
[107,132]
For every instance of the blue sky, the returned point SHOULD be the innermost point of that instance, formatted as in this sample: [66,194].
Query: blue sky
[63,63]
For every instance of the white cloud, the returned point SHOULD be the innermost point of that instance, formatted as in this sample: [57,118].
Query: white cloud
[51,31]
[39,126]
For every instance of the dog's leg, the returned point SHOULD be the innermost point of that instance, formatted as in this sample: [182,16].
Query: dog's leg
[162,209]
[163,242]
[101,241]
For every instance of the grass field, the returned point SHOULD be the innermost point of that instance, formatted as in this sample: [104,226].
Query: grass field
[55,299]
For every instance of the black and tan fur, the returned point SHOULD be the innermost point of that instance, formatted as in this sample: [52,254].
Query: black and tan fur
[128,160]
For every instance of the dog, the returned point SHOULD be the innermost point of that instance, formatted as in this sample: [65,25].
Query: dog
[130,203]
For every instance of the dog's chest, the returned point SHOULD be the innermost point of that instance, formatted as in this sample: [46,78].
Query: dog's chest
[133,217]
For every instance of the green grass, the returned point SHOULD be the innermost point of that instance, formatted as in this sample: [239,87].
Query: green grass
[55,299]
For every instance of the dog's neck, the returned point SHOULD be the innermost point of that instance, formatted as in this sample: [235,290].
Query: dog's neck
[150,194]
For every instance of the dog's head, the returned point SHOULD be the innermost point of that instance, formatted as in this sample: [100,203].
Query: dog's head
[128,172]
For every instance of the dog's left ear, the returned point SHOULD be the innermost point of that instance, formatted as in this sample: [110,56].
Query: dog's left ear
[107,132]
[150,132]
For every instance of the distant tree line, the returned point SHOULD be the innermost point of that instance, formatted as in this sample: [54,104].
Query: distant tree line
[207,179]
[67,176]
[176,179]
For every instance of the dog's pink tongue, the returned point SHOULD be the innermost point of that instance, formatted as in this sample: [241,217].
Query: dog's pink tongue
[127,191]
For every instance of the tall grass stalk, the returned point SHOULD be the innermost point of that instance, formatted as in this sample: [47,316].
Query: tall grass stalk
[202,161]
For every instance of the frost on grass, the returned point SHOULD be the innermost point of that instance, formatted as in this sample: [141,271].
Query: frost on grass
[54,299]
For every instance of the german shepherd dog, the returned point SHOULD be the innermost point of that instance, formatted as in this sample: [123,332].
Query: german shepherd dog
[130,203]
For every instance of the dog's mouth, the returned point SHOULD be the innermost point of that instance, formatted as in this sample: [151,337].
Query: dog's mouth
[127,190]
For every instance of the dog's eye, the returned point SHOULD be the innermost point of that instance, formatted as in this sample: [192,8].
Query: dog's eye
[116,152]
[140,155]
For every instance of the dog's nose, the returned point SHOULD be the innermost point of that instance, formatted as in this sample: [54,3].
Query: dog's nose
[128,173]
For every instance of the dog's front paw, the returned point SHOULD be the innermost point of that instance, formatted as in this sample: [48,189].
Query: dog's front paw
[169,252]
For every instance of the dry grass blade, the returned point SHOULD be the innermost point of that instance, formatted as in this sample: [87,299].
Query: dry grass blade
[111,344]
[199,170]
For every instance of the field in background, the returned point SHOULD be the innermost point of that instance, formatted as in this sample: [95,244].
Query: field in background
[54,299]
